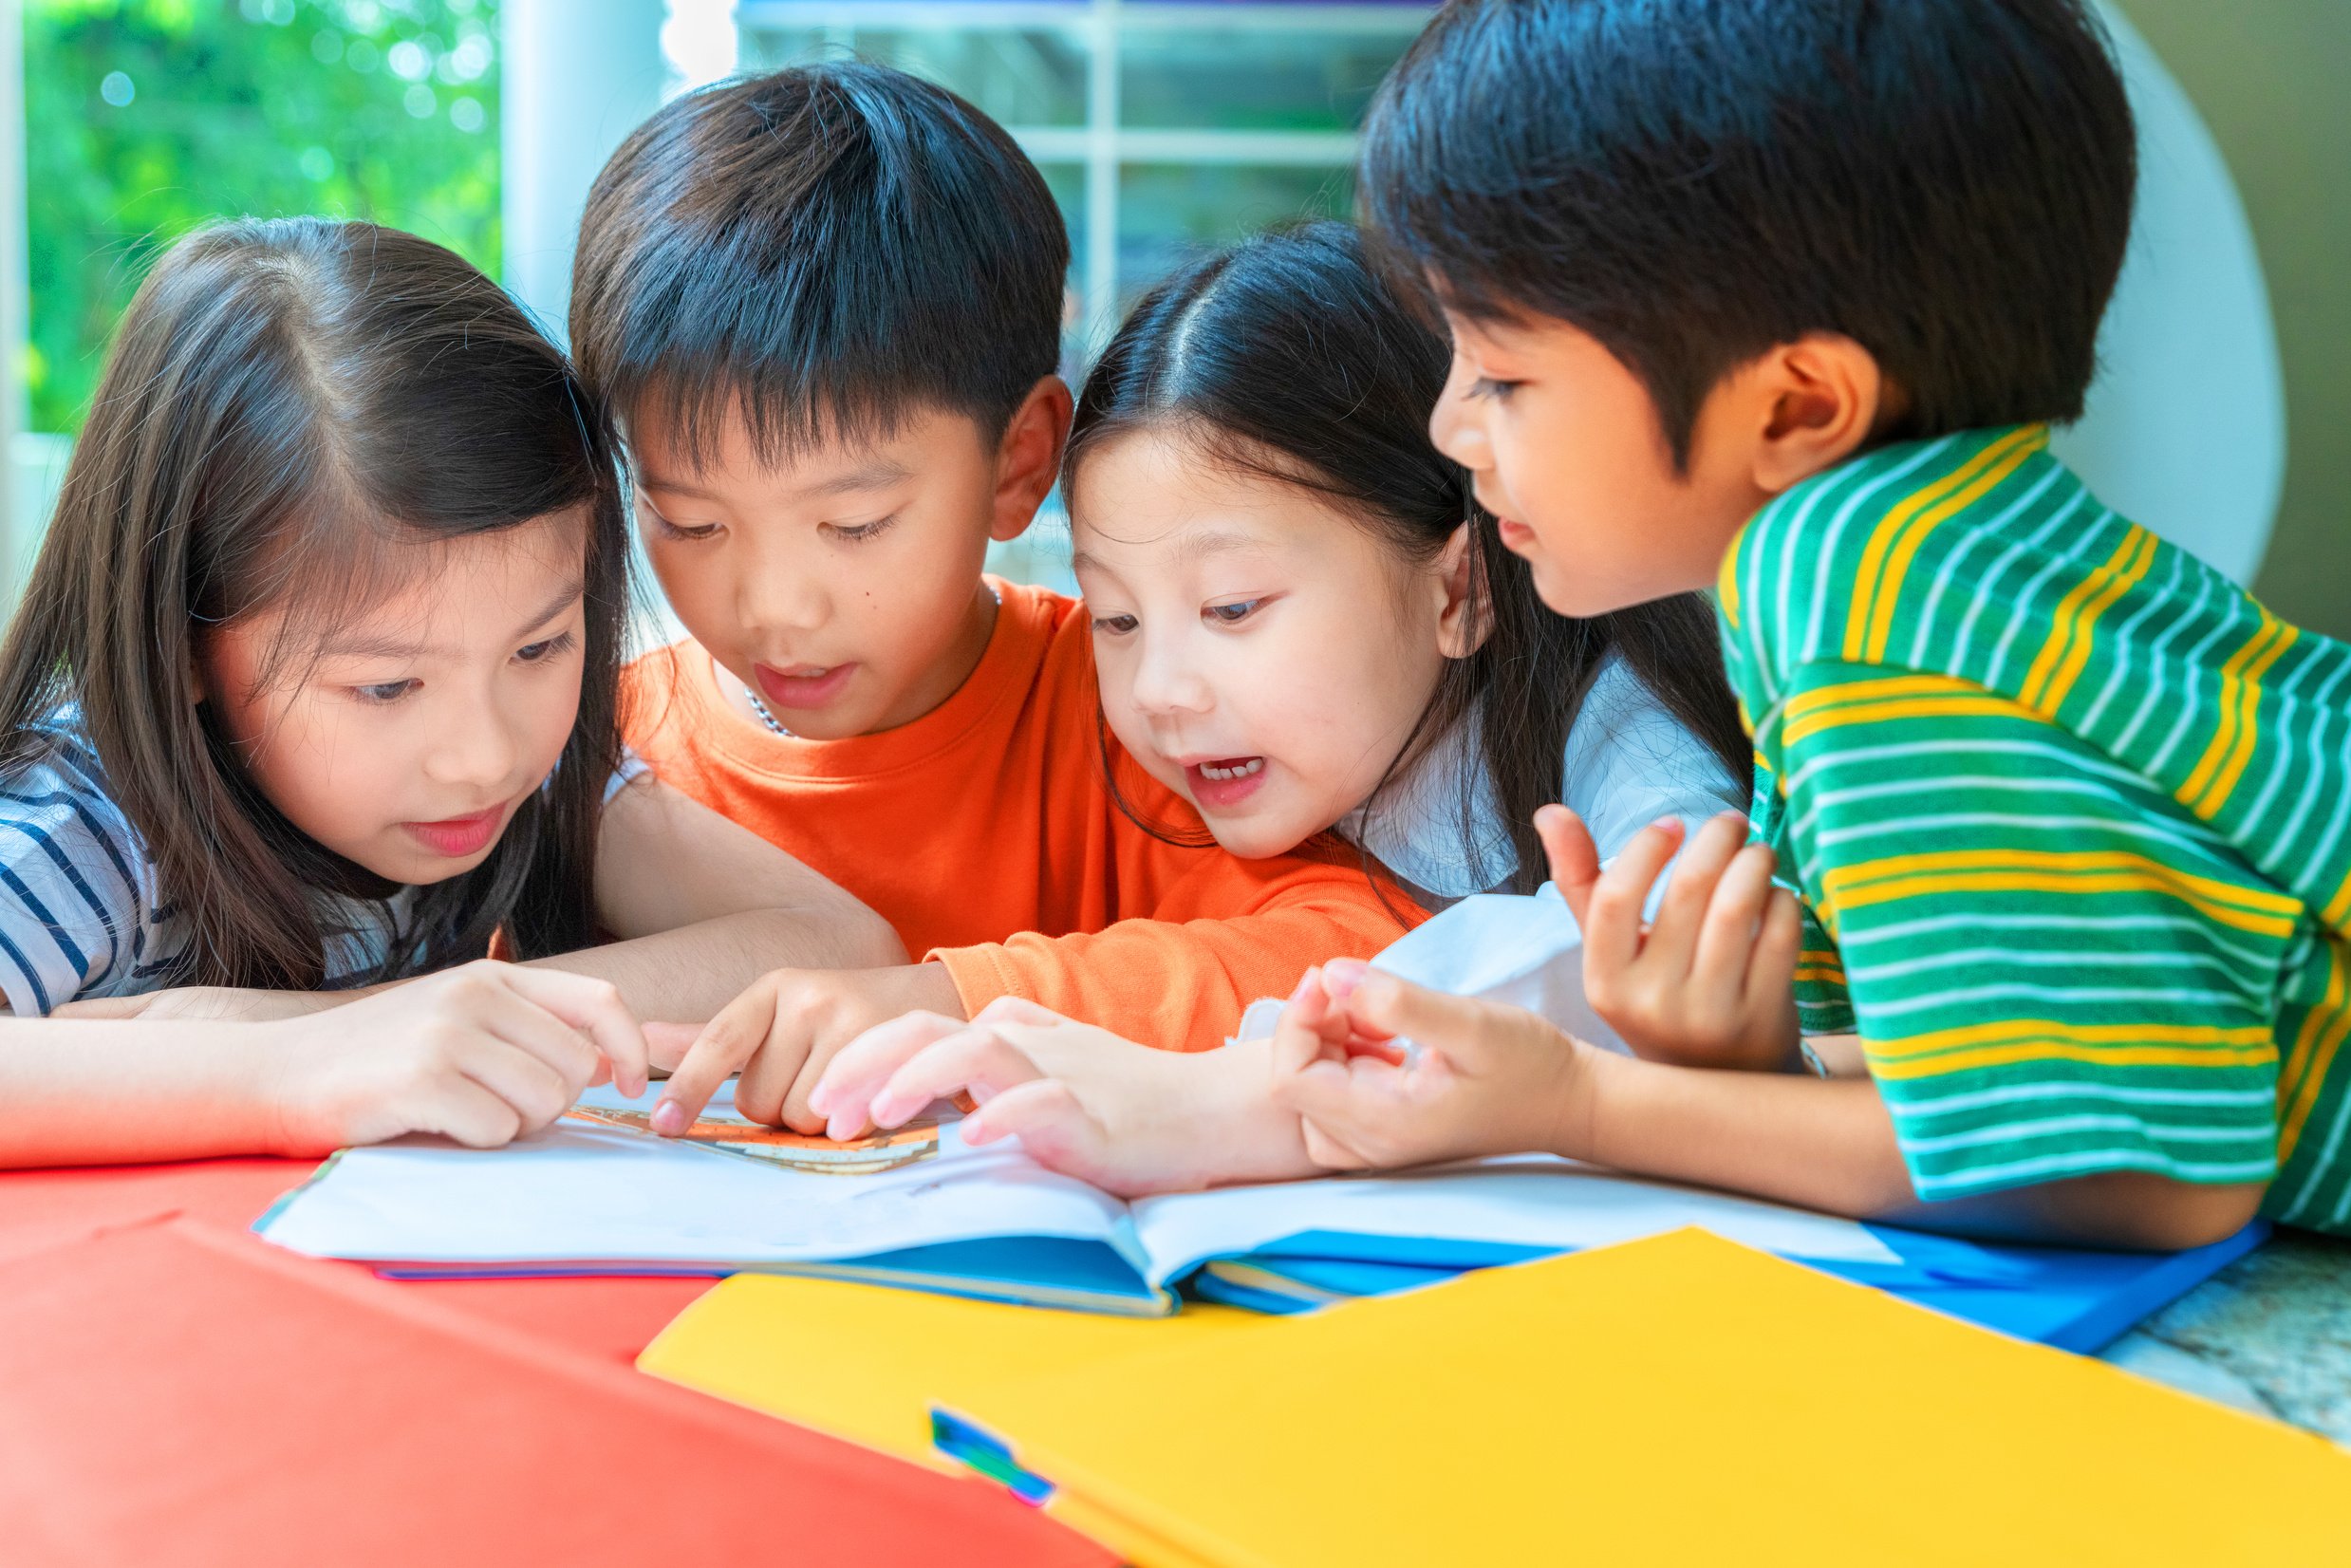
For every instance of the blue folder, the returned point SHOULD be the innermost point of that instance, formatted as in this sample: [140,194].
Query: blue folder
[2074,1298]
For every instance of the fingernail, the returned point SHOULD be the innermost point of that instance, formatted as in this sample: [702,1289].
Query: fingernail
[1306,983]
[668,1118]
[1667,824]
[1340,976]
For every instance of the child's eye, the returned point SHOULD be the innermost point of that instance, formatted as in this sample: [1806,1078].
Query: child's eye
[539,652]
[1113,626]
[1487,386]
[388,691]
[1233,614]
[668,530]
[862,532]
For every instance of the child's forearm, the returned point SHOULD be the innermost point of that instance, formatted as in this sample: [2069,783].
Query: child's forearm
[687,975]
[1829,1145]
[1825,1144]
[101,1091]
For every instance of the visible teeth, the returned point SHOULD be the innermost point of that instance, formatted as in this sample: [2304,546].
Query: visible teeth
[1243,770]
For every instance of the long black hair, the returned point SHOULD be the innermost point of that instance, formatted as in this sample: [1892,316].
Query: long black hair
[1287,356]
[289,404]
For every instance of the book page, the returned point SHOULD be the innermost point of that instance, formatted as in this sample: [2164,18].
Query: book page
[1531,1201]
[584,1191]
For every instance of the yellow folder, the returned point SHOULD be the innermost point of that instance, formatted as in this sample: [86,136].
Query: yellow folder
[1679,1400]
[866,1363]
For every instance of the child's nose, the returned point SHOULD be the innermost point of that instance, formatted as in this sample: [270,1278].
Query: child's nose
[775,597]
[1453,427]
[475,749]
[1170,685]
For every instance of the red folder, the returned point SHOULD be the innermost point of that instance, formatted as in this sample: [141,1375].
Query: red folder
[173,1394]
[613,1318]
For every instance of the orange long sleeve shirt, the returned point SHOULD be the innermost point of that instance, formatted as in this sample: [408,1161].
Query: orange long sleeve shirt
[985,833]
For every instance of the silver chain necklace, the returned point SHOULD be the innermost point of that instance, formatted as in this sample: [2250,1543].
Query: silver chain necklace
[766,717]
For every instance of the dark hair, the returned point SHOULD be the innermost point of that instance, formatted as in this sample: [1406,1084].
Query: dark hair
[288,406]
[1947,182]
[823,249]
[1288,357]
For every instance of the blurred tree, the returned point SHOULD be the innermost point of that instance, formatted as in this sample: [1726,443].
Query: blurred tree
[145,119]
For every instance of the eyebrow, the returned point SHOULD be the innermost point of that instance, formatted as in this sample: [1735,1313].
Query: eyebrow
[877,473]
[1192,546]
[392,647]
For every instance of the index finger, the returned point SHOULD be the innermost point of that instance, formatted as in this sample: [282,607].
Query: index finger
[595,1009]
[859,1069]
[1612,920]
[724,1045]
[975,1058]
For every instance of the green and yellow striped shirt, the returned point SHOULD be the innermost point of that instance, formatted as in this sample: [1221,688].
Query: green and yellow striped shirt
[2071,818]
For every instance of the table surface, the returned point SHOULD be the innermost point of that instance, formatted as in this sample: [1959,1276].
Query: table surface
[2270,1333]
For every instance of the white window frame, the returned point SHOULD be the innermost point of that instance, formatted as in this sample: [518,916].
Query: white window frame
[1103,146]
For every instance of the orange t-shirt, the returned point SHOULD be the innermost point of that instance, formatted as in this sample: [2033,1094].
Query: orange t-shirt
[985,833]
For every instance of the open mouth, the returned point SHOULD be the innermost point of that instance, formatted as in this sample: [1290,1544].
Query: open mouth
[1224,781]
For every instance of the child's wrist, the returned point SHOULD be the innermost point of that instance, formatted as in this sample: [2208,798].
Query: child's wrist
[272,1067]
[1254,1138]
[1572,1130]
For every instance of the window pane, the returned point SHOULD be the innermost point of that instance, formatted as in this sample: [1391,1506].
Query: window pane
[1254,79]
[1168,213]
[145,119]
[1024,76]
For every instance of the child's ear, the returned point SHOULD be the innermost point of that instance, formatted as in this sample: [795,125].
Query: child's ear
[1463,625]
[1818,399]
[1028,460]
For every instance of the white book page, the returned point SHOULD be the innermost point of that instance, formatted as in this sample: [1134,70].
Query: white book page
[1524,1200]
[583,1193]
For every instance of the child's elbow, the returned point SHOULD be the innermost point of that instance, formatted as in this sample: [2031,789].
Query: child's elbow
[876,938]
[2156,1214]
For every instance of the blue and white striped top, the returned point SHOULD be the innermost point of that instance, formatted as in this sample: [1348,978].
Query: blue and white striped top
[80,912]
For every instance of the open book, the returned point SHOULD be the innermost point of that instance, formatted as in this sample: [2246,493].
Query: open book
[596,1196]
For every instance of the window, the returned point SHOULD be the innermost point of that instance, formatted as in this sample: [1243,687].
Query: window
[1164,129]
[145,119]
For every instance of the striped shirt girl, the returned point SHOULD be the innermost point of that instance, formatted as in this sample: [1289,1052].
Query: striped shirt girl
[80,912]
[2070,815]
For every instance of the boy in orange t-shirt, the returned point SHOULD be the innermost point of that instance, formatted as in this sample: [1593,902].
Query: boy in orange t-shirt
[826,305]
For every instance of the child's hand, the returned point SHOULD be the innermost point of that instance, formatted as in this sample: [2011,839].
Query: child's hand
[1488,1079]
[482,1055]
[1711,982]
[1082,1100]
[782,1032]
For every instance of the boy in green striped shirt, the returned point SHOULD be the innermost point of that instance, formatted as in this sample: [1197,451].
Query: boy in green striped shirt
[1782,298]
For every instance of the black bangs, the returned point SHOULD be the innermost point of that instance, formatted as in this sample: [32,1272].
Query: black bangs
[818,254]
[1948,182]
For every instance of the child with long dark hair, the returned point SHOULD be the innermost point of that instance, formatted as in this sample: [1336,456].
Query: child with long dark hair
[313,690]
[1305,623]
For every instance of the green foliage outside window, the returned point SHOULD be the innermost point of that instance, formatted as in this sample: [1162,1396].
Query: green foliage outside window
[145,119]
